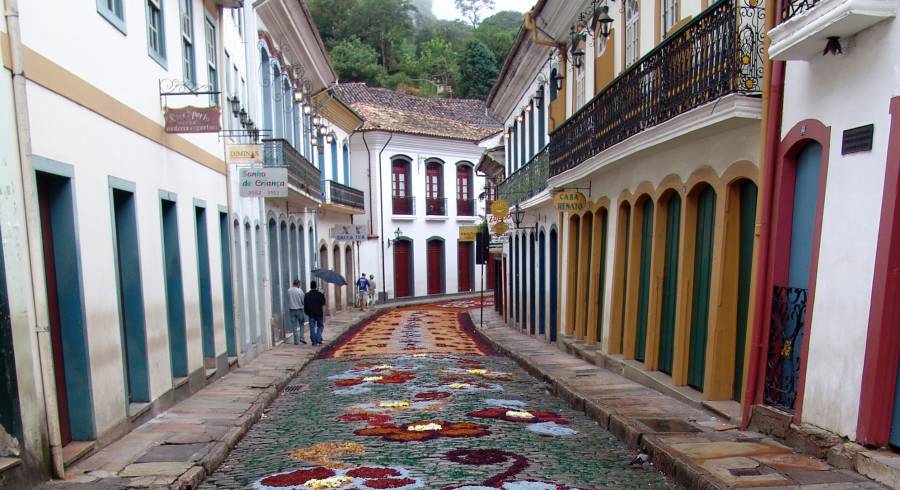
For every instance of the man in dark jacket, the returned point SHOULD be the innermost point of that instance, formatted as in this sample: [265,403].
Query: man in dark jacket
[313,304]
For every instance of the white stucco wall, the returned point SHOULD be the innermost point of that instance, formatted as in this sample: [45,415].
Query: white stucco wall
[843,92]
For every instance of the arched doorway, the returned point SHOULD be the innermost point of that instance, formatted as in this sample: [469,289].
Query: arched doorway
[285,278]
[435,265]
[583,277]
[524,274]
[532,285]
[572,273]
[601,217]
[252,315]
[672,205]
[402,268]
[703,253]
[276,282]
[338,292]
[554,283]
[746,231]
[514,278]
[465,264]
[351,274]
[620,279]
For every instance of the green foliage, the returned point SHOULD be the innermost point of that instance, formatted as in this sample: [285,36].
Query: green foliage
[400,44]
[356,61]
[471,9]
[477,71]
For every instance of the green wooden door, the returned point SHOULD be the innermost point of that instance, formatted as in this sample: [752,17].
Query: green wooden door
[745,273]
[602,293]
[670,286]
[644,284]
[706,217]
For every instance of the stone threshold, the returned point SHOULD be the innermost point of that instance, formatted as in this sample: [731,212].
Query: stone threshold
[7,464]
[695,447]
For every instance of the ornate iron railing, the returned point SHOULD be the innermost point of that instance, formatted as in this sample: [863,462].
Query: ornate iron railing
[717,53]
[337,193]
[786,327]
[301,173]
[404,205]
[436,206]
[528,181]
[465,207]
[792,8]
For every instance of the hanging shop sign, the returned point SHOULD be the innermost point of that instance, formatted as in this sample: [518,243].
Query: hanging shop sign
[264,182]
[468,233]
[244,153]
[500,209]
[569,201]
[500,228]
[355,233]
[192,119]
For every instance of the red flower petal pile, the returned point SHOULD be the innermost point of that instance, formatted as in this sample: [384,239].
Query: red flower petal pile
[298,477]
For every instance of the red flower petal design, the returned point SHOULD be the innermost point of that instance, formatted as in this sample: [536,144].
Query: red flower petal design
[368,473]
[298,477]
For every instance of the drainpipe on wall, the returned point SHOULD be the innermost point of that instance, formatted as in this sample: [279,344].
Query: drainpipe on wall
[381,214]
[34,257]
[773,101]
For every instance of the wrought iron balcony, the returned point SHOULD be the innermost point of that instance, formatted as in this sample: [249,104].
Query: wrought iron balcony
[301,174]
[528,181]
[796,7]
[436,206]
[404,205]
[465,207]
[717,53]
[337,193]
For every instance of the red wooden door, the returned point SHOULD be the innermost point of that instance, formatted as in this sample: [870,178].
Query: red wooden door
[435,272]
[491,271]
[464,261]
[401,268]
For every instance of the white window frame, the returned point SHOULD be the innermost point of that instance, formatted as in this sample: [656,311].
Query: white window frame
[188,53]
[156,31]
[669,16]
[632,36]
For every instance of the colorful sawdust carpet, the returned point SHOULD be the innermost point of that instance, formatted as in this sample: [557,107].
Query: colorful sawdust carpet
[414,399]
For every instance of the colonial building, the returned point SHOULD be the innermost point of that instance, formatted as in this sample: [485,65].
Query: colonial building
[826,327]
[651,111]
[420,155]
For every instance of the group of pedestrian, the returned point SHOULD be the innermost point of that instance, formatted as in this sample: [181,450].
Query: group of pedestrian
[303,306]
[365,291]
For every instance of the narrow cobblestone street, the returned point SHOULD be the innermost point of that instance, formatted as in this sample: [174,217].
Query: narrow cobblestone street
[413,399]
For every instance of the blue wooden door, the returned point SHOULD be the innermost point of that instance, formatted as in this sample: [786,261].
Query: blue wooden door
[554,277]
[895,426]
[532,286]
[542,280]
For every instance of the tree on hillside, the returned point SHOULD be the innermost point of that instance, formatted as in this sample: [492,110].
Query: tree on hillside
[382,24]
[437,61]
[498,32]
[330,16]
[471,9]
[477,71]
[355,61]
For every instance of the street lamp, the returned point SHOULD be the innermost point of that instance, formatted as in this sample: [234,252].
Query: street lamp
[307,110]
[243,116]
[601,18]
[398,234]
[576,38]
[235,105]
[329,138]
[518,215]
[298,96]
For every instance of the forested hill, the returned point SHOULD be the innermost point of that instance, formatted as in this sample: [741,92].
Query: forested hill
[400,45]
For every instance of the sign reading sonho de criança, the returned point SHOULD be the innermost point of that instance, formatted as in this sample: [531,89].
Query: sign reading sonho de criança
[264,182]
[192,119]
[569,201]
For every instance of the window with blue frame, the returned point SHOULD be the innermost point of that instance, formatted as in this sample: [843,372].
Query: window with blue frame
[212,63]
[320,146]
[346,164]
[114,12]
[553,89]
[542,126]
[156,32]
[334,161]
[189,60]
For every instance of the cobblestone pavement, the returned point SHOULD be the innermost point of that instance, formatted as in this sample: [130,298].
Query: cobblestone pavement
[412,399]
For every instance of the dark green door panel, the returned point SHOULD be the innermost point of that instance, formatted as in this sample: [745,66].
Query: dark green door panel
[670,286]
[745,273]
[706,217]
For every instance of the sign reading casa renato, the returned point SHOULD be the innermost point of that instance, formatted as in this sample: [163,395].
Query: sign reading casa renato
[244,154]
[264,182]
[569,201]
[192,119]
[356,233]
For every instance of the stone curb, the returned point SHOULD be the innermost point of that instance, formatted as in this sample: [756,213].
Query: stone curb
[681,472]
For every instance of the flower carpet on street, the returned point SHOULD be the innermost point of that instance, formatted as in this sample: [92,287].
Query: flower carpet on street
[414,399]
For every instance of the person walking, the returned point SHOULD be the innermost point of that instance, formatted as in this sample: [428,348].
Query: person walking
[313,306]
[362,292]
[295,312]
[371,289]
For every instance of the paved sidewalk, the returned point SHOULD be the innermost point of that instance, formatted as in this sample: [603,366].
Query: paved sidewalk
[179,447]
[694,447]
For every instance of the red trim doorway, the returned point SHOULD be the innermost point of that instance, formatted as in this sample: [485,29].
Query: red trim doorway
[883,338]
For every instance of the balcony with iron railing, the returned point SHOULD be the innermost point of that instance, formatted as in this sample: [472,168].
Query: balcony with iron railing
[403,205]
[527,181]
[465,207]
[717,53]
[435,206]
[809,28]
[302,175]
[344,196]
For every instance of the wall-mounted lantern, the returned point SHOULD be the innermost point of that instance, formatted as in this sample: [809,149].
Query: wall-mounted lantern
[576,37]
[298,96]
[601,19]
[398,234]
[235,104]
[243,117]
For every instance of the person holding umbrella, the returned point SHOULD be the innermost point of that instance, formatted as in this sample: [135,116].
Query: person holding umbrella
[313,306]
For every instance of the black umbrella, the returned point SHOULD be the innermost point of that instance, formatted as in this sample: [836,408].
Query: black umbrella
[331,276]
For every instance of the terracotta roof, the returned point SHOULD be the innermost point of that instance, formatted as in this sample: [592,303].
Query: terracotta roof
[387,110]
